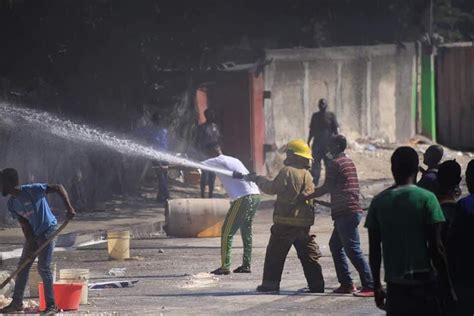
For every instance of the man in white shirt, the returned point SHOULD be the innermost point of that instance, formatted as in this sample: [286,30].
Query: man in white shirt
[245,198]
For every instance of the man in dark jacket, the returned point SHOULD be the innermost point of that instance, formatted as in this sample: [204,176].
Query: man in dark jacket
[323,126]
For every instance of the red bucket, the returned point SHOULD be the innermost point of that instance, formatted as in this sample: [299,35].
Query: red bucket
[67,296]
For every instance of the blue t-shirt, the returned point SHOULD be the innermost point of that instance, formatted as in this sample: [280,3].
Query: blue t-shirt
[32,205]
[467,205]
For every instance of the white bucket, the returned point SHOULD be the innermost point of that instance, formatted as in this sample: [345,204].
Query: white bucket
[77,276]
[34,278]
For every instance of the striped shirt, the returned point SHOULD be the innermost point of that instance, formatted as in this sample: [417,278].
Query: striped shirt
[343,186]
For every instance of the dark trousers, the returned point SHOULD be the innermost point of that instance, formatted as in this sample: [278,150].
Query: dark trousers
[163,191]
[465,304]
[319,153]
[208,178]
[281,239]
[412,300]
[44,268]
[345,243]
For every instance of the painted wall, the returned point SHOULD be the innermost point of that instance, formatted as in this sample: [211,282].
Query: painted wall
[368,87]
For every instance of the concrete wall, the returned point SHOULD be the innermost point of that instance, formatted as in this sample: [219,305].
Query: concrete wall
[368,87]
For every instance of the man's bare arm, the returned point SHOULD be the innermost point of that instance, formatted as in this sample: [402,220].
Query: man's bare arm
[375,261]
[61,191]
[27,230]
[438,257]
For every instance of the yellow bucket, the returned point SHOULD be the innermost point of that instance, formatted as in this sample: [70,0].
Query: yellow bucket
[118,245]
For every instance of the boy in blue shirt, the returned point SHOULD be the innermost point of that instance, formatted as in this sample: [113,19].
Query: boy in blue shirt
[29,205]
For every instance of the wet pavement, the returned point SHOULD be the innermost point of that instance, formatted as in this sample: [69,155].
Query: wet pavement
[166,269]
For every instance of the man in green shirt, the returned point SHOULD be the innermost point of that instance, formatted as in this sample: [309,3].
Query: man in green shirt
[404,224]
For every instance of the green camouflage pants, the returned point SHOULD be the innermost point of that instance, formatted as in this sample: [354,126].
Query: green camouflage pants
[240,215]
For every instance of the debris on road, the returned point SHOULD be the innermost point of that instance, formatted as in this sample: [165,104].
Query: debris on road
[161,251]
[202,279]
[30,306]
[118,272]
[112,284]
[9,287]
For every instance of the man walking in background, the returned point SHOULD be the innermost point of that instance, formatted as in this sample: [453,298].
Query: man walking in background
[29,205]
[323,126]
[404,224]
[208,133]
[343,185]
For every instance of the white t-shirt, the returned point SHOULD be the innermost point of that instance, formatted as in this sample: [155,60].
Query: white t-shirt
[235,188]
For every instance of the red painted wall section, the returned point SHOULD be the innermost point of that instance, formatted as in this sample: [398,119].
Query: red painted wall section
[201,103]
[257,121]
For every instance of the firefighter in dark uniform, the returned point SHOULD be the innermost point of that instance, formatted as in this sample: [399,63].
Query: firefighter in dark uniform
[323,126]
[292,220]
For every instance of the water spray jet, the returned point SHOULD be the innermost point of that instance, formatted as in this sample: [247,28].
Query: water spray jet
[73,131]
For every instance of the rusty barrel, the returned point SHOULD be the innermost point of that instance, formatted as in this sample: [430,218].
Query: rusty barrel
[195,217]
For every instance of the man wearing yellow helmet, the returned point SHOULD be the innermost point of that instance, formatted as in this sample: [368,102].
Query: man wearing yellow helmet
[292,220]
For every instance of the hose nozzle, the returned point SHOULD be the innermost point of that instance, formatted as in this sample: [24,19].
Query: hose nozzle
[238,175]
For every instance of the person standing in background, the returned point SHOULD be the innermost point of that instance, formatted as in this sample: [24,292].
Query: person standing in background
[449,177]
[208,133]
[159,138]
[156,136]
[460,245]
[323,126]
[404,224]
[429,177]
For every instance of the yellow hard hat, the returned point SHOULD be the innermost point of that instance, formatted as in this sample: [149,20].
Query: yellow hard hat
[300,148]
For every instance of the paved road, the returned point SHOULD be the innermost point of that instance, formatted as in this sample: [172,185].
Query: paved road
[167,285]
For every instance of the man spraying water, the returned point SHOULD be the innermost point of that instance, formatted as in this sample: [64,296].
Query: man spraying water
[245,198]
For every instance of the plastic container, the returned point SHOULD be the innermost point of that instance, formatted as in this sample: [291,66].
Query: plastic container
[118,245]
[67,296]
[77,276]
[34,278]
[192,177]
[195,217]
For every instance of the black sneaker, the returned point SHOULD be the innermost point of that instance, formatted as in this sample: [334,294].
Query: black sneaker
[242,269]
[12,308]
[315,290]
[50,311]
[268,289]
[220,271]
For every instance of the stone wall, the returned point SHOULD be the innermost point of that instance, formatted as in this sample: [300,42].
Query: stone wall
[368,87]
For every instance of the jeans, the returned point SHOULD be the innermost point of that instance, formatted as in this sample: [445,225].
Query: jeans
[163,191]
[44,268]
[345,242]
